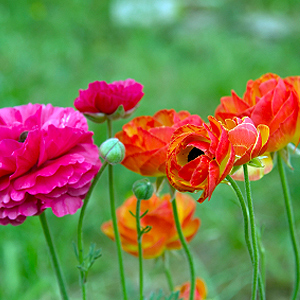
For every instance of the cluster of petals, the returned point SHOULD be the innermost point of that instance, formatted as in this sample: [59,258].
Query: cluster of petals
[47,159]
[268,100]
[199,157]
[200,290]
[105,98]
[248,140]
[146,140]
[163,234]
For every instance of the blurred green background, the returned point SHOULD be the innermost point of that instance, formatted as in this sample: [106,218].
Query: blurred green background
[187,54]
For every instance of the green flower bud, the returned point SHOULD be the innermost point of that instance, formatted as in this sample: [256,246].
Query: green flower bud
[143,189]
[112,151]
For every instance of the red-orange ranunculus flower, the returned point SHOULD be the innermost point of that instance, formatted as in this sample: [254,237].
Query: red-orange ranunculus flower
[267,100]
[200,290]
[163,235]
[199,158]
[294,83]
[146,140]
[247,140]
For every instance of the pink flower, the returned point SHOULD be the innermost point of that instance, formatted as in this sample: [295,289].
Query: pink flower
[118,99]
[47,159]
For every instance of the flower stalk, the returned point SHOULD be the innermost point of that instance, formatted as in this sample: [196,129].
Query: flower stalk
[291,224]
[53,256]
[114,219]
[255,261]
[83,272]
[245,212]
[139,241]
[184,244]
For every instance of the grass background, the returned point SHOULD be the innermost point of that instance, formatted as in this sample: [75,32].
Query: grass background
[51,49]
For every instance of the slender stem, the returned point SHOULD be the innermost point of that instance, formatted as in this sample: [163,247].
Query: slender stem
[165,258]
[245,212]
[185,247]
[109,129]
[290,217]
[253,234]
[80,234]
[262,256]
[139,240]
[240,197]
[53,256]
[114,218]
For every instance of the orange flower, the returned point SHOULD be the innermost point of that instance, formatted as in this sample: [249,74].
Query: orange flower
[163,235]
[200,290]
[294,83]
[199,158]
[267,100]
[146,140]
[247,140]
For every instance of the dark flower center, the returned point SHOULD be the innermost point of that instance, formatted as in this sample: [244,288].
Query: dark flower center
[23,136]
[194,153]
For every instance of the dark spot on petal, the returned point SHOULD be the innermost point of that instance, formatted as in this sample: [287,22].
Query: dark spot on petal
[23,136]
[194,153]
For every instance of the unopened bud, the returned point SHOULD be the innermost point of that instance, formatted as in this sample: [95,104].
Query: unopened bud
[112,151]
[143,189]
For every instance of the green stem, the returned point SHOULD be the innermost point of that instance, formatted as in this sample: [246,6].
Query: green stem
[185,246]
[245,212]
[139,241]
[80,234]
[253,234]
[290,217]
[114,219]
[53,256]
[165,259]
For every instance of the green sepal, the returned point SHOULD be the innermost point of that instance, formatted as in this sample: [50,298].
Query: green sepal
[119,113]
[256,163]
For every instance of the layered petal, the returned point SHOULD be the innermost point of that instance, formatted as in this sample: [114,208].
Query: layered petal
[48,160]
[200,290]
[103,98]
[163,234]
[247,140]
[199,158]
[271,101]
[146,140]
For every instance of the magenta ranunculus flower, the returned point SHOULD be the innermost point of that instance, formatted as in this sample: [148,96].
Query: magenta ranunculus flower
[109,100]
[47,159]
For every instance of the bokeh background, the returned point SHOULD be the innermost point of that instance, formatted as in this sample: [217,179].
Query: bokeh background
[187,54]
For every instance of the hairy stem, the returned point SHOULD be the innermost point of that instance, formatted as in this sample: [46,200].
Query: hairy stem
[80,234]
[185,246]
[291,223]
[53,256]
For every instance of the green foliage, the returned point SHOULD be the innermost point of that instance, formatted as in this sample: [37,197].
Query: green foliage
[89,260]
[51,49]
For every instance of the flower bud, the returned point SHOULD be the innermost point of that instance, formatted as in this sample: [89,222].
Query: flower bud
[112,151]
[143,189]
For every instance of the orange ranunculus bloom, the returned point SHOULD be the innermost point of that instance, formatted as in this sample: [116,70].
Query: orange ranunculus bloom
[294,83]
[199,157]
[247,140]
[268,100]
[146,140]
[163,235]
[200,290]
